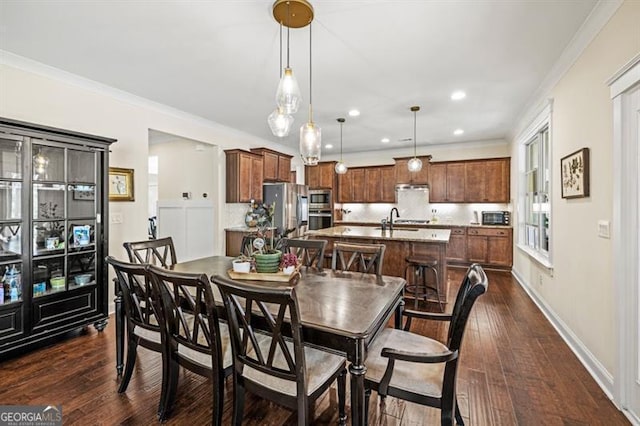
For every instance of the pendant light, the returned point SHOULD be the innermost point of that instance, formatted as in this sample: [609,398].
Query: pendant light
[341,168]
[414,165]
[310,133]
[288,94]
[280,122]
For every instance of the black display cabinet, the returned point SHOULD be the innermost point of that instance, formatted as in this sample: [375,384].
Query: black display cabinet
[53,234]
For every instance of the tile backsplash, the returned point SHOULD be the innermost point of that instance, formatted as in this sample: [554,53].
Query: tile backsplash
[415,205]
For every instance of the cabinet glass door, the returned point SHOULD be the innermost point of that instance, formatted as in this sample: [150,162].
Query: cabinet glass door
[11,223]
[81,200]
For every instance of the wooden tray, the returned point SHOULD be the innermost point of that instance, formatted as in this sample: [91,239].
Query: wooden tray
[262,276]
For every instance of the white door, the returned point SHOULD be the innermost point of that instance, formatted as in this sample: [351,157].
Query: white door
[625,93]
[632,111]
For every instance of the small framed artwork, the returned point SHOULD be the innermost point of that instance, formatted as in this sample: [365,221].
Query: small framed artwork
[120,184]
[575,174]
[81,235]
[84,193]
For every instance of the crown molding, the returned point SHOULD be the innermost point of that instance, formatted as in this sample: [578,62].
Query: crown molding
[597,19]
[38,68]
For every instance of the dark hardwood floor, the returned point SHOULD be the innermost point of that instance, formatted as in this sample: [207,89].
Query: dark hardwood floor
[515,370]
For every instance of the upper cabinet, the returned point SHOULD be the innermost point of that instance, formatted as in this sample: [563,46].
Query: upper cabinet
[373,184]
[446,182]
[322,176]
[403,175]
[487,181]
[473,181]
[276,165]
[244,176]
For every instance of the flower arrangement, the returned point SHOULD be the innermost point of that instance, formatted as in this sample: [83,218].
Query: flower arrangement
[289,259]
[289,262]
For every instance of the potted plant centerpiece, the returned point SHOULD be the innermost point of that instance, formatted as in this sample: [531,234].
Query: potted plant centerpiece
[242,264]
[266,248]
[289,263]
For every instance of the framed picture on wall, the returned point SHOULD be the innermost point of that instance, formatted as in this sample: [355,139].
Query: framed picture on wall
[120,184]
[574,172]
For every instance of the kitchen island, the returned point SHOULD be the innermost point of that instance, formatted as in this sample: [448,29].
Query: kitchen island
[400,243]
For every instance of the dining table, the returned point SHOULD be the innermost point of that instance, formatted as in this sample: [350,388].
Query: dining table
[340,311]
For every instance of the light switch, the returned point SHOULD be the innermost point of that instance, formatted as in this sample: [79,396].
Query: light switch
[604,229]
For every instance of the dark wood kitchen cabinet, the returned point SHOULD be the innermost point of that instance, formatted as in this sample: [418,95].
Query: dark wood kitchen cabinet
[352,186]
[457,248]
[276,166]
[490,246]
[54,236]
[487,181]
[403,175]
[380,184]
[322,176]
[446,182]
[244,176]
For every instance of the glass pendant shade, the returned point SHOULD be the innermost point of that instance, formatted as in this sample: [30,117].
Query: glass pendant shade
[310,143]
[414,165]
[288,95]
[280,123]
[341,168]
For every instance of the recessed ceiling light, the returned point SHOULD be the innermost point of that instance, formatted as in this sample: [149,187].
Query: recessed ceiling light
[457,95]
[458,132]
[384,140]
[354,113]
[328,146]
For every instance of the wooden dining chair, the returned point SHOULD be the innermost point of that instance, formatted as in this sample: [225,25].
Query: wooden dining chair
[160,251]
[358,257]
[196,339]
[270,365]
[310,252]
[418,369]
[142,319]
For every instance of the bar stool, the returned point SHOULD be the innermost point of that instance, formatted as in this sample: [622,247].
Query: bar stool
[420,267]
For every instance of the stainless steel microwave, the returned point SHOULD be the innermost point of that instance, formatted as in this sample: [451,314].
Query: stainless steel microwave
[320,199]
[496,218]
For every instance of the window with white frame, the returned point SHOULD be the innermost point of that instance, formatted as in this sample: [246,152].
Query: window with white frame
[535,197]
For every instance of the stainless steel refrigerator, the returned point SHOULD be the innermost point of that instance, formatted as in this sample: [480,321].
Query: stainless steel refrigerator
[292,206]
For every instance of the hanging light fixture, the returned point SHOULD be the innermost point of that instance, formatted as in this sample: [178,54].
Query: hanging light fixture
[280,122]
[310,133]
[291,14]
[414,165]
[40,164]
[341,168]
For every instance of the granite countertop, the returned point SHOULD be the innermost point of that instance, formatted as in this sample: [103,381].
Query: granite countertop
[424,226]
[240,228]
[370,232]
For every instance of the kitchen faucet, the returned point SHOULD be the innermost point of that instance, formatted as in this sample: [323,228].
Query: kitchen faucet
[391,217]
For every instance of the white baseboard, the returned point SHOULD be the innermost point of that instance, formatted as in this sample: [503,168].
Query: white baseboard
[600,374]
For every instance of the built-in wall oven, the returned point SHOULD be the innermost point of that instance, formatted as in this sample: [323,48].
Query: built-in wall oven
[320,209]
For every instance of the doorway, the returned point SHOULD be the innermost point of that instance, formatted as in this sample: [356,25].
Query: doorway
[182,193]
[625,92]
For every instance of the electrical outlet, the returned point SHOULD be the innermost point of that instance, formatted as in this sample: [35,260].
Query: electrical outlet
[116,218]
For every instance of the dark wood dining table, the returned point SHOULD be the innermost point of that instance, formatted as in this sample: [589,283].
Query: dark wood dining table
[340,311]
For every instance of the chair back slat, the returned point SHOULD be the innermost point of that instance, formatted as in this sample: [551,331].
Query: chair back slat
[188,311]
[160,252]
[310,253]
[366,258]
[139,302]
[250,307]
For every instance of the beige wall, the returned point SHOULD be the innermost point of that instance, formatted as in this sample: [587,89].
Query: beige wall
[580,290]
[38,94]
[185,166]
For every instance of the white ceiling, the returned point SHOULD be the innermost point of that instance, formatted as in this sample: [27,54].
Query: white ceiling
[220,60]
